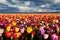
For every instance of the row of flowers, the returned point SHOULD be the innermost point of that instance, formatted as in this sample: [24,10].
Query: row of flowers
[30,27]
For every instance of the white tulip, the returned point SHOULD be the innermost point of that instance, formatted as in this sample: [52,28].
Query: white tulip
[46,36]
[1,31]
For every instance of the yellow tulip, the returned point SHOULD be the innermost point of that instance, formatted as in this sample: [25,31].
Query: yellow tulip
[57,30]
[14,23]
[20,17]
[29,29]
[8,28]
[16,29]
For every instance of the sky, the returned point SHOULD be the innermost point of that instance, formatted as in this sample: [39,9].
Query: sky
[29,6]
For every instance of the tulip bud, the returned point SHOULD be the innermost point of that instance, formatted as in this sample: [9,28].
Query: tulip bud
[33,32]
[42,22]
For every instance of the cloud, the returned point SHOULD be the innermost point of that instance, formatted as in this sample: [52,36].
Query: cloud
[15,0]
[2,1]
[45,5]
[56,1]
[27,3]
[29,6]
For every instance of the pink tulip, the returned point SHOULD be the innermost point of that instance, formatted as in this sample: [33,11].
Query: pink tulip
[54,37]
[22,30]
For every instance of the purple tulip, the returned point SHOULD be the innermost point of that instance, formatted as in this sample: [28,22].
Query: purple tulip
[20,26]
[41,30]
[1,24]
[54,27]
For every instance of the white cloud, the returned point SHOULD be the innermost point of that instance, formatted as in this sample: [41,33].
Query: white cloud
[2,1]
[27,3]
[15,0]
[45,5]
[56,1]
[24,8]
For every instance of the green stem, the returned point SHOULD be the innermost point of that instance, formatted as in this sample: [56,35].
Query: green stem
[16,39]
[1,38]
[11,37]
[26,38]
[31,38]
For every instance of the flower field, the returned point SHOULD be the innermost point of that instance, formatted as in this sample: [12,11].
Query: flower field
[29,26]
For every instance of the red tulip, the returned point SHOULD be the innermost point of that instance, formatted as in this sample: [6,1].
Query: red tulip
[33,32]
[6,25]
[8,34]
[16,35]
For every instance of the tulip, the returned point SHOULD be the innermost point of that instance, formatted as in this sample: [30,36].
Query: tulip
[57,21]
[41,30]
[20,17]
[20,26]
[1,32]
[54,37]
[16,29]
[14,23]
[8,28]
[58,30]
[58,24]
[22,30]
[29,29]
[46,36]
[1,24]
[8,34]
[54,21]
[16,35]
[42,22]
[32,34]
